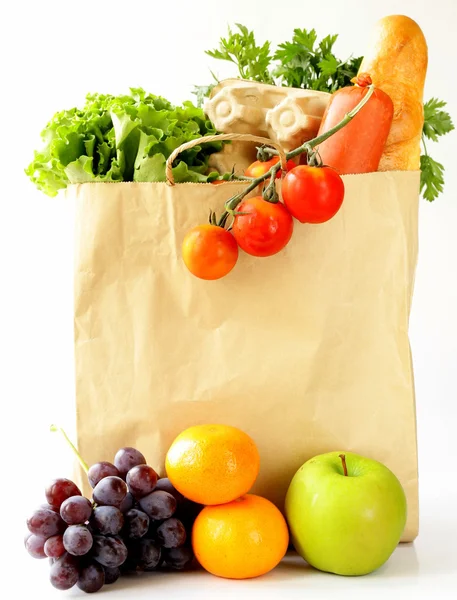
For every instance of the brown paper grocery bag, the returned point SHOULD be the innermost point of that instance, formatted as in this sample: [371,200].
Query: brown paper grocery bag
[307,351]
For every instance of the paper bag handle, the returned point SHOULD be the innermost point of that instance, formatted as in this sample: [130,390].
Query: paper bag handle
[241,137]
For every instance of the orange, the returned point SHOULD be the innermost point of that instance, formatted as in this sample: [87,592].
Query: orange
[212,464]
[244,538]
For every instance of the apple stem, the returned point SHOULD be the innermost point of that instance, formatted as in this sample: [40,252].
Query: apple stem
[82,462]
[343,460]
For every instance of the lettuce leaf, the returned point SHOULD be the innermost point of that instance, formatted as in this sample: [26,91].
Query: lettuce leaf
[121,138]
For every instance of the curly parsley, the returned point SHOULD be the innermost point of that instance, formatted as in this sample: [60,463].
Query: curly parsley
[301,63]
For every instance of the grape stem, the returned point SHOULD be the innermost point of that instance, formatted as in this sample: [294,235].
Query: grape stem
[82,462]
[308,147]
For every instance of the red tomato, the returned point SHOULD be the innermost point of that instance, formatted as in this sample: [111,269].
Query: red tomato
[313,194]
[209,251]
[265,229]
[218,181]
[258,168]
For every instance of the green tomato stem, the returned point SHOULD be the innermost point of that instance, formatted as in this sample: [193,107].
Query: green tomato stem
[343,460]
[82,462]
[307,147]
[242,178]
[270,194]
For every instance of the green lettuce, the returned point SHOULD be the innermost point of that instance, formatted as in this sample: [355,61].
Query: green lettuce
[122,138]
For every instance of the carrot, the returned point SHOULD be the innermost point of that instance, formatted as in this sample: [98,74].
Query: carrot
[358,147]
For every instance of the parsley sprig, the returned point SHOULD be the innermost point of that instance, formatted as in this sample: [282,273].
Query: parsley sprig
[301,63]
[437,122]
[241,49]
[304,62]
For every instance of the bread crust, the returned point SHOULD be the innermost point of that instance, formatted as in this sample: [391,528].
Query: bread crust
[397,62]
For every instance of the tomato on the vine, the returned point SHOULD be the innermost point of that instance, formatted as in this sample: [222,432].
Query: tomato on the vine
[264,229]
[312,194]
[259,168]
[209,251]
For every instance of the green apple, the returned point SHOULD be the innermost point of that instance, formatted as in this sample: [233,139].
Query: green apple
[346,513]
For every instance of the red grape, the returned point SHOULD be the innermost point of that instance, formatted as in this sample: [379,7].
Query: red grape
[110,491]
[107,520]
[136,523]
[127,458]
[141,480]
[99,471]
[50,507]
[91,578]
[171,533]
[59,490]
[112,574]
[77,540]
[165,485]
[76,510]
[35,546]
[45,523]
[54,547]
[158,505]
[64,572]
[150,555]
[178,558]
[109,551]
[127,503]
[144,555]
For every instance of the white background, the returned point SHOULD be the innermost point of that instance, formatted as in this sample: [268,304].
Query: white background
[52,53]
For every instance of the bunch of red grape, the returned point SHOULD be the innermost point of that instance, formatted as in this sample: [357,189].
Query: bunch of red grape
[136,522]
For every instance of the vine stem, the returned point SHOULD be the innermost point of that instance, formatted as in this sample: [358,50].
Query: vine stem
[307,147]
[82,462]
[270,193]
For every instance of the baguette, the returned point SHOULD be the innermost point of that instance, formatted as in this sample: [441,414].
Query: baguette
[397,62]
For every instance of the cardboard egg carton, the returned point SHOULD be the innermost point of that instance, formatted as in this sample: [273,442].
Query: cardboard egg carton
[288,116]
